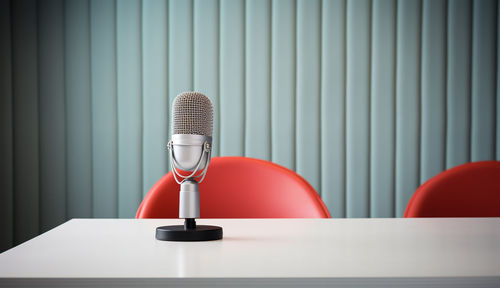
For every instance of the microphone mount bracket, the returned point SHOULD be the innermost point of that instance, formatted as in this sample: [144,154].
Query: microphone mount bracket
[206,150]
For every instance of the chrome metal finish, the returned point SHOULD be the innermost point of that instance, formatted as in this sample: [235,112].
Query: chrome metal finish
[188,149]
[184,147]
[189,199]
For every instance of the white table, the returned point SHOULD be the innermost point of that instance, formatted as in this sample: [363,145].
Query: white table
[460,252]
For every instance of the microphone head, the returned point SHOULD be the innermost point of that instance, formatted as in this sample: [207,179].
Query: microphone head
[192,113]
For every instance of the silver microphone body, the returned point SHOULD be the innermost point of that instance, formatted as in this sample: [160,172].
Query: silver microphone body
[188,155]
[190,147]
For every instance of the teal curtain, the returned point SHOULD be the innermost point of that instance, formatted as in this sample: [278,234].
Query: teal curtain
[365,99]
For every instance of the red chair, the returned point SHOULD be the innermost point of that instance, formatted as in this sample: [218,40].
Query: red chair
[240,187]
[468,190]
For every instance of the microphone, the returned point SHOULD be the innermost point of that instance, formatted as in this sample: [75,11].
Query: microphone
[190,152]
[190,147]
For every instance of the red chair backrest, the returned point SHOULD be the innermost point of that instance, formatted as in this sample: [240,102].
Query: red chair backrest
[240,187]
[468,190]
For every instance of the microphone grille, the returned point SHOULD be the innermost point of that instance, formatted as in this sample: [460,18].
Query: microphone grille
[192,113]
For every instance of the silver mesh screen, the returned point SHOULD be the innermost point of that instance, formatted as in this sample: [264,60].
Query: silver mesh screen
[192,113]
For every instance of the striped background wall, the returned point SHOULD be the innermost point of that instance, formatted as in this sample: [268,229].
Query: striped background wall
[365,99]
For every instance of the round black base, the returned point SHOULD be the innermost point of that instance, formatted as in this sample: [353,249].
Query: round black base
[179,233]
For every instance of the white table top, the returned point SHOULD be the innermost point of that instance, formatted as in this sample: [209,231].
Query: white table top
[328,249]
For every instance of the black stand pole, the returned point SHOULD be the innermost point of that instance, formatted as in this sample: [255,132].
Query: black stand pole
[189,223]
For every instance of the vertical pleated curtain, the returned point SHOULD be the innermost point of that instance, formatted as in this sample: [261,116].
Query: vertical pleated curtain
[365,99]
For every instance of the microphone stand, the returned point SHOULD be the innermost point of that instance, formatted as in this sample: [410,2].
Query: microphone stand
[189,210]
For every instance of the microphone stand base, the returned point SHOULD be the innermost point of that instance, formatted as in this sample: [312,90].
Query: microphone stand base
[181,233]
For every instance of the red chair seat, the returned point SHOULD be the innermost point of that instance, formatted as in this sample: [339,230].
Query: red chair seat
[240,187]
[468,190]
